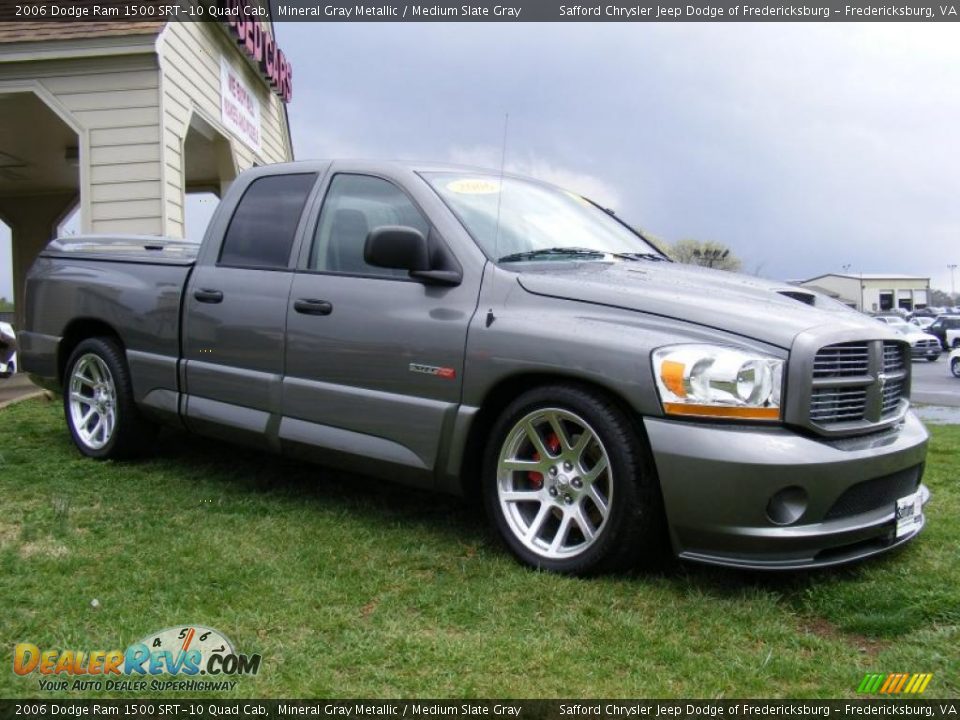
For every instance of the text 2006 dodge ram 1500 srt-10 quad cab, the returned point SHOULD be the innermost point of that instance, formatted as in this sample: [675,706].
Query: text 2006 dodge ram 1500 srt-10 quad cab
[467,331]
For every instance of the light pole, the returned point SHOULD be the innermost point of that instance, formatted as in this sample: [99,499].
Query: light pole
[953,290]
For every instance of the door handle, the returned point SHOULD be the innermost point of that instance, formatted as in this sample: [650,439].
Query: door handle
[308,306]
[205,295]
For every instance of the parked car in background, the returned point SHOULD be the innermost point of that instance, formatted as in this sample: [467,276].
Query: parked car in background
[955,362]
[940,326]
[952,337]
[923,346]
[8,350]
[922,321]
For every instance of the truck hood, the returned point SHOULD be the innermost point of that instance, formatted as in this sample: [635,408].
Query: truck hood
[740,304]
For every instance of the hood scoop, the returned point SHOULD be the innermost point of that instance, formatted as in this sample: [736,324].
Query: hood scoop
[804,297]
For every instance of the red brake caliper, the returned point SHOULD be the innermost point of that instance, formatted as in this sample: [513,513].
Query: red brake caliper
[536,479]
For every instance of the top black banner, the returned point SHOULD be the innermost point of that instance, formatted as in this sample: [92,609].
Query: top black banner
[480,11]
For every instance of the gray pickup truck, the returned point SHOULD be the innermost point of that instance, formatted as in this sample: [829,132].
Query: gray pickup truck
[500,338]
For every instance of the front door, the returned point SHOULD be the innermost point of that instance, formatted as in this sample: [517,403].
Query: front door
[374,359]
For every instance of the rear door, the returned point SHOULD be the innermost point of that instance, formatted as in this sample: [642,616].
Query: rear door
[374,359]
[235,312]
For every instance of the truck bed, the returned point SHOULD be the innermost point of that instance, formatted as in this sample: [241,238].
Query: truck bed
[147,249]
[128,286]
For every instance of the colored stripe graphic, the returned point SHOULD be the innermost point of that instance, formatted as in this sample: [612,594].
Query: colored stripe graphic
[894,683]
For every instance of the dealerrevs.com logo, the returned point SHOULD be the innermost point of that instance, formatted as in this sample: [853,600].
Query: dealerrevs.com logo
[180,654]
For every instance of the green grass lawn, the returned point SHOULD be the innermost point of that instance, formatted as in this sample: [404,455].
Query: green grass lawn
[349,587]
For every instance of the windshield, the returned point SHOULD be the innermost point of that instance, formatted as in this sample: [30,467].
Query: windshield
[536,221]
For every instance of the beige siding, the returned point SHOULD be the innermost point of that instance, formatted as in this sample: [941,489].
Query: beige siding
[132,113]
[190,63]
[115,102]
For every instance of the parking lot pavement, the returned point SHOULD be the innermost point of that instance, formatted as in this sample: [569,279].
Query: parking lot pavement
[16,387]
[933,384]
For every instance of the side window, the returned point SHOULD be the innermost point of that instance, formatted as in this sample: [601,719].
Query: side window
[355,205]
[264,224]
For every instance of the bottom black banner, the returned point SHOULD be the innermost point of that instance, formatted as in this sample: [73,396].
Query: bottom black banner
[662,709]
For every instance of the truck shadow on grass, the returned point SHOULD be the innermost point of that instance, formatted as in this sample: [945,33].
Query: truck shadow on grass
[864,603]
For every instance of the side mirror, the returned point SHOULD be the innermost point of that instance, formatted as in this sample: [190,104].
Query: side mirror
[405,248]
[398,247]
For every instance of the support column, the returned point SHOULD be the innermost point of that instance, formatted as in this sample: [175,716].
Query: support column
[33,223]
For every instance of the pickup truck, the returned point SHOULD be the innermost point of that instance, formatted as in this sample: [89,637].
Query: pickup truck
[499,338]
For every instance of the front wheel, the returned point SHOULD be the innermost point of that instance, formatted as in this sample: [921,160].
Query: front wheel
[955,367]
[98,402]
[568,486]
[933,358]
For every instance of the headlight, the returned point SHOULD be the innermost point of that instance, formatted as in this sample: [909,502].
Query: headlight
[718,382]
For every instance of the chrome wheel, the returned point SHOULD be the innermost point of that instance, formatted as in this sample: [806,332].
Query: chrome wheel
[554,483]
[93,401]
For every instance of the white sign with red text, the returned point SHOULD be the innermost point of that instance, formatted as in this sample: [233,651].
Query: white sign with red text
[239,107]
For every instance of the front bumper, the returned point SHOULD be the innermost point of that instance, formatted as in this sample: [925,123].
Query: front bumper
[718,482]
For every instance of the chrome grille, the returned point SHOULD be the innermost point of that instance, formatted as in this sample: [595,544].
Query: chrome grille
[892,392]
[893,360]
[829,405]
[842,360]
[857,386]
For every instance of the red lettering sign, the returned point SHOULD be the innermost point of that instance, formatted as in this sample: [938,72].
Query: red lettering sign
[260,46]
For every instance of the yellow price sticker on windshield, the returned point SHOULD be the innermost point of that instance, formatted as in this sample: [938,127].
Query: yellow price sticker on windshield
[473,186]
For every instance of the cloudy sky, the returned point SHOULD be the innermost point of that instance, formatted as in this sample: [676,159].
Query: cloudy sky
[804,147]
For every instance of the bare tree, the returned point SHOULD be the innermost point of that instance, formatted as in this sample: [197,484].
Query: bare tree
[706,254]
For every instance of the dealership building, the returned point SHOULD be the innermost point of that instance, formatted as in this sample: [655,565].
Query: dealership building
[117,122]
[872,292]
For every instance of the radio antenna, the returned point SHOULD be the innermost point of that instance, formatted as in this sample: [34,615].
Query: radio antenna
[503,162]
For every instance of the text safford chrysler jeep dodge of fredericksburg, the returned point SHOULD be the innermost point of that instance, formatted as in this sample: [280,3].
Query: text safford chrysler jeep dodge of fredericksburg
[466,331]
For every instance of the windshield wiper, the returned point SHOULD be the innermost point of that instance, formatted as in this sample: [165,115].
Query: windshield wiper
[542,252]
[641,256]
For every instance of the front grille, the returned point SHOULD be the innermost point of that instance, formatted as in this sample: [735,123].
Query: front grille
[838,405]
[858,385]
[892,392]
[875,494]
[843,360]
[923,347]
[893,357]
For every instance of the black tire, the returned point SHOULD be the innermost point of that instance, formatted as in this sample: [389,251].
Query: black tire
[132,434]
[955,367]
[633,533]
[933,358]
[956,343]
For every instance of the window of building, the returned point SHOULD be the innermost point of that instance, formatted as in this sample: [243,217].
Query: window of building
[355,205]
[263,227]
[886,299]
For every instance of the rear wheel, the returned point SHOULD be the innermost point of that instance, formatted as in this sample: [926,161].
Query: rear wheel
[98,402]
[568,486]
[955,367]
